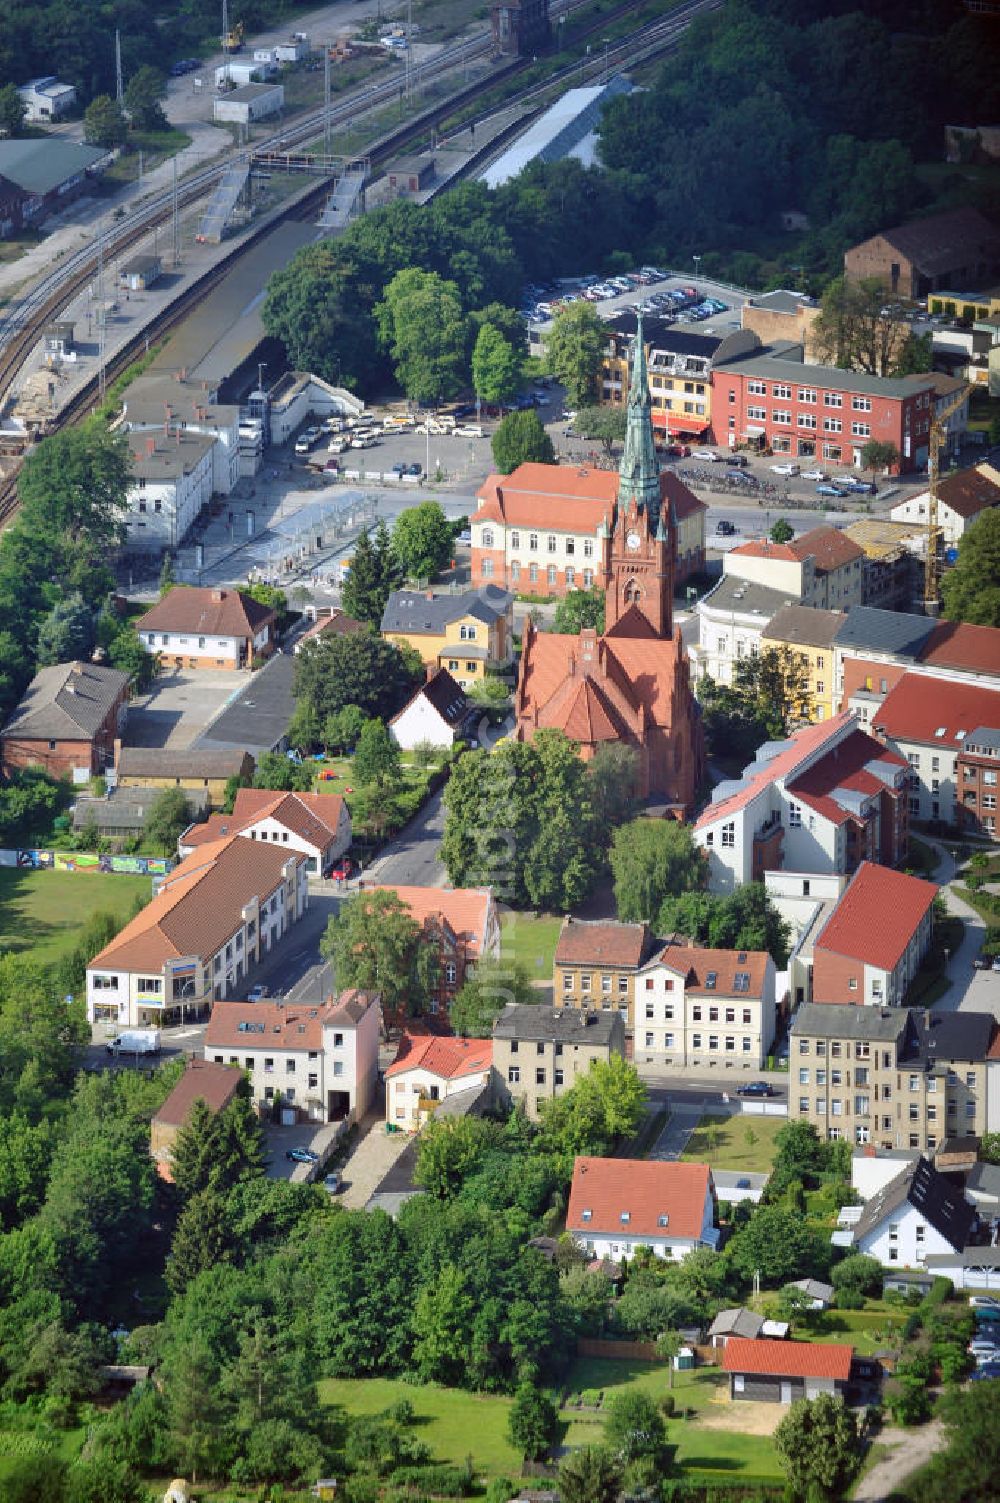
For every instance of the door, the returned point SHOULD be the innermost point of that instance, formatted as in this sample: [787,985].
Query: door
[786,1391]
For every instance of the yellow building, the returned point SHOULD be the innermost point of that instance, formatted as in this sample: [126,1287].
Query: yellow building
[198,771]
[596,964]
[680,364]
[809,634]
[466,634]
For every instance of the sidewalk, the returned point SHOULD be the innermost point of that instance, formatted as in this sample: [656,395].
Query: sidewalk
[976,991]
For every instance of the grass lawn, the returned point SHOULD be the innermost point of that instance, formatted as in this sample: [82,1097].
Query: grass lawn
[453,1423]
[867,1331]
[532,941]
[732,1151]
[336,775]
[17,1446]
[42,911]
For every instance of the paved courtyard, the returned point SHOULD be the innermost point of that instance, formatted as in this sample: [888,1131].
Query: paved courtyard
[179,706]
[373,1156]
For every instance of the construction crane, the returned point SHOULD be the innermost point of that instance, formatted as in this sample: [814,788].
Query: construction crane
[935,441]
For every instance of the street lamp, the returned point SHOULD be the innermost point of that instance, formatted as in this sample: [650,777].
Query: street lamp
[697,262]
[606,41]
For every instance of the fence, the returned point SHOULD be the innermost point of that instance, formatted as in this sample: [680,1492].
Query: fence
[763,1108]
[86,862]
[616,1351]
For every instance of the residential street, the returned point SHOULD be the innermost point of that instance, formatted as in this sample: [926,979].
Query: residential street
[970,990]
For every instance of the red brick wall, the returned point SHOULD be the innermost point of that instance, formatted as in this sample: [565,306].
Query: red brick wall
[58,762]
[524,585]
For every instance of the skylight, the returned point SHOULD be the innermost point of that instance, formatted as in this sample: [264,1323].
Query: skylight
[710,980]
[741,981]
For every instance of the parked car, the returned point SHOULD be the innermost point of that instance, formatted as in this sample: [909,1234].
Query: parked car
[984,1302]
[706,456]
[306,439]
[996,963]
[399,468]
[302,1155]
[725,528]
[785,469]
[990,1372]
[678,451]
[829,489]
[739,461]
[472,430]
[257,993]
[465,536]
[332,1183]
[340,870]
[337,445]
[414,469]
[743,1184]
[755,1088]
[816,474]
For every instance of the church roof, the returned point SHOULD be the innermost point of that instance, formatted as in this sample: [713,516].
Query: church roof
[624,676]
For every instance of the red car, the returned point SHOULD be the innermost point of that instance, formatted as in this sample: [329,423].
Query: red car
[678,451]
[342,870]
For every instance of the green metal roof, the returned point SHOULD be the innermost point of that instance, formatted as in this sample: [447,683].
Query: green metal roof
[39,166]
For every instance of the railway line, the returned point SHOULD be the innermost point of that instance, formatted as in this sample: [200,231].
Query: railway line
[22,329]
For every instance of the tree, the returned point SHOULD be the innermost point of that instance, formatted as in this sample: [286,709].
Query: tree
[215,1151]
[304,728]
[421,324]
[375,944]
[169,815]
[916,356]
[128,654]
[782,531]
[194,1411]
[613,784]
[877,455]
[970,1460]
[989,1148]
[104,124]
[496,367]
[319,306]
[652,859]
[342,729]
[817,1442]
[853,332]
[773,685]
[422,540]
[532,1422]
[494,985]
[600,1107]
[167,580]
[442,1326]
[201,1240]
[858,1274]
[143,93]
[579,609]
[634,1428]
[607,424]
[779,1245]
[373,575]
[971,590]
[67,632]
[13,111]
[589,1475]
[448,1150]
[376,759]
[668,1344]
[282,774]
[574,351]
[521,439]
[800,1154]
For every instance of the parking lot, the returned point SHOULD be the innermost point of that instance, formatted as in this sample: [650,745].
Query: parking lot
[179,706]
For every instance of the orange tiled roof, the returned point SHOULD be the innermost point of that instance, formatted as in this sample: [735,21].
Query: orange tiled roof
[956,644]
[685,502]
[565,497]
[847,767]
[800,745]
[202,1080]
[829,547]
[466,910]
[601,944]
[627,676]
[643,1189]
[788,1359]
[448,1058]
[281,1025]
[877,916]
[764,548]
[314,817]
[918,708]
[695,964]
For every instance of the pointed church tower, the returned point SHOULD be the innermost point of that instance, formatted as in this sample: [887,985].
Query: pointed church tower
[642,545]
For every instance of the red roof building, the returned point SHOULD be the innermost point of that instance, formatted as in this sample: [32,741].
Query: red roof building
[208,628]
[215,1085]
[461,921]
[871,947]
[317,825]
[430,1069]
[949,733]
[617,1206]
[780,1372]
[823,568]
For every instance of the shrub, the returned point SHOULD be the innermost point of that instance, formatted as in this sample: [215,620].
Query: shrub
[439,1480]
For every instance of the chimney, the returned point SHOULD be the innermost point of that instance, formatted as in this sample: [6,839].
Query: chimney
[218,595]
[150,447]
[572,665]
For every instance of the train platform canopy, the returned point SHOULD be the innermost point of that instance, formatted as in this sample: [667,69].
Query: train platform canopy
[567,129]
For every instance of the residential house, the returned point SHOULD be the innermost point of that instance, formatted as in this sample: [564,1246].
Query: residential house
[428,1069]
[963,496]
[466,634]
[893,565]
[872,1168]
[334,623]
[208,628]
[39,177]
[596,965]
[681,365]
[46,99]
[539,1053]
[199,771]
[817,412]
[172,481]
[822,568]
[896,1078]
[617,1206]
[932,731]
[822,801]
[314,825]
[870,949]
[213,1084]
[164,405]
[544,529]
[435,716]
[779,1372]
[320,1061]
[956,248]
[462,922]
[918,1215]
[732,620]
[704,1009]
[216,914]
[808,634]
[67,721]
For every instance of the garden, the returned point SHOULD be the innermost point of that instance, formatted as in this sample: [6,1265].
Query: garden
[44,911]
[737,1142]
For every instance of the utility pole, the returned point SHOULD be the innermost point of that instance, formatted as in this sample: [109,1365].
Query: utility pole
[326,98]
[175,218]
[409,50]
[101,315]
[119,81]
[225,40]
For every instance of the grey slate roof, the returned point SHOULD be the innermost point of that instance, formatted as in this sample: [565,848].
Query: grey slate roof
[920,1185]
[948,1035]
[782,361]
[881,1025]
[67,702]
[168,762]
[780,301]
[983,738]
[413,611]
[814,1288]
[738,1322]
[892,632]
[257,721]
[805,624]
[746,597]
[128,808]
[443,694]
[40,166]
[561,1025]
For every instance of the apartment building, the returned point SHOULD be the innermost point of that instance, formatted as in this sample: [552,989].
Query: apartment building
[893,1077]
[932,730]
[162,406]
[680,362]
[705,1009]
[809,634]
[596,965]
[822,568]
[732,621]
[539,1053]
[430,1070]
[870,949]
[893,565]
[318,1061]
[978,771]
[172,481]
[315,825]
[544,529]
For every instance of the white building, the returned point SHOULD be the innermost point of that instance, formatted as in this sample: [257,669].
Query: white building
[617,1206]
[199,627]
[732,619]
[215,915]
[321,1061]
[705,1009]
[46,99]
[927,723]
[314,825]
[822,568]
[434,716]
[172,480]
[252,102]
[299,395]
[162,404]
[917,1215]
[872,1169]
[429,1069]
[963,496]
[236,75]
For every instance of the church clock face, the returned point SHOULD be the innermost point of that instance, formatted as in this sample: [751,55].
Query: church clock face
[632,542]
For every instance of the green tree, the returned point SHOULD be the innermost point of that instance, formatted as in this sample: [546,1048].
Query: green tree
[579,609]
[853,332]
[376,759]
[421,324]
[521,439]
[782,531]
[972,1448]
[167,580]
[634,1428]
[773,685]
[916,356]
[342,729]
[877,455]
[319,306]
[169,815]
[971,590]
[606,424]
[442,1326]
[375,944]
[304,728]
[589,1475]
[858,1274]
[449,1149]
[496,367]
[67,632]
[143,93]
[194,1409]
[668,1345]
[574,351]
[989,1148]
[613,784]
[12,111]
[104,124]
[748,920]
[373,575]
[358,671]
[422,541]
[653,859]
[532,1422]
[601,1107]
[282,774]
[215,1151]
[779,1245]
[201,1240]
[818,1444]
[494,985]
[800,1154]
[128,654]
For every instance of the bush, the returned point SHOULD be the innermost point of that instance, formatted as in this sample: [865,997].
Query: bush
[667,1405]
[440,1480]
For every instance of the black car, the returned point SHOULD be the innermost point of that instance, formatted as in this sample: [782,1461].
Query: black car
[414,469]
[740,461]
[725,528]
[755,1088]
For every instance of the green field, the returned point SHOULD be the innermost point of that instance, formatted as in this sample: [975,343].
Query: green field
[453,1423]
[727,1147]
[532,941]
[43,911]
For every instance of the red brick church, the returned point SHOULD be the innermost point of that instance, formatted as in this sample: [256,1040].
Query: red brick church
[633,684]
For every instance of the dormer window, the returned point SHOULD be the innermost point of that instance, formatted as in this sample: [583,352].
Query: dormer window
[588,1216]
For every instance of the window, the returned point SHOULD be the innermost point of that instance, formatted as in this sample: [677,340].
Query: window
[832,399]
[832,452]
[782,393]
[467,633]
[806,420]
[585,982]
[588,579]
[668,1041]
[807,394]
[487,537]
[588,547]
[794,816]
[803,1104]
[757,414]
[861,430]
[551,574]
[650,1037]
[567,983]
[729,834]
[713,1041]
[450,973]
[533,573]
[803,1076]
[551,542]
[289,1067]
[756,389]
[570,577]
[515,540]
[514,1074]
[559,1077]
[605,983]
[515,570]
[696,1041]
[623,984]
[533,541]
[861,404]
[782,416]
[832,425]
[540,1075]
[821,1077]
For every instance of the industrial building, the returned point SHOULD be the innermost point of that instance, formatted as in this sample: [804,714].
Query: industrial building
[252,102]
[39,176]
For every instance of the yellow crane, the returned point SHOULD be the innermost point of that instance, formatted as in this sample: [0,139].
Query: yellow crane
[935,441]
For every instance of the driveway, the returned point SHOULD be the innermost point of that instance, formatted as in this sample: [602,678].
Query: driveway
[321,1137]
[684,1118]
[179,706]
[373,1156]
[909,1449]
[969,990]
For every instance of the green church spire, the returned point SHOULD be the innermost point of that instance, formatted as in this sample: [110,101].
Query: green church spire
[639,472]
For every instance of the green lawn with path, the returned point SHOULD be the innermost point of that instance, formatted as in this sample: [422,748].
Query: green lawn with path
[722,1142]
[453,1423]
[42,911]
[532,941]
